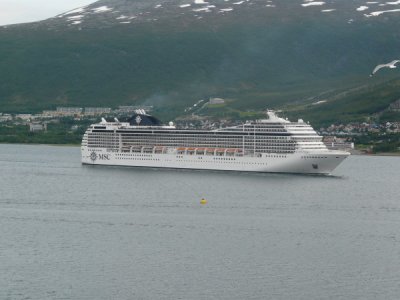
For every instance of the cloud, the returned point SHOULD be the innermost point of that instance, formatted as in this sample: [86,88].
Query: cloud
[23,11]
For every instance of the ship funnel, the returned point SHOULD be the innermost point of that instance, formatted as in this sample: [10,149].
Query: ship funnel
[103,121]
[140,111]
[116,120]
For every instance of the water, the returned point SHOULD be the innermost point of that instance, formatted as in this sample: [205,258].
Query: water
[82,232]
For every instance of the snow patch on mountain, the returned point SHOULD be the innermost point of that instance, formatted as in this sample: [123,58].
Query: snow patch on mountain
[313,3]
[122,17]
[75,11]
[101,9]
[117,11]
[78,17]
[378,13]
[203,9]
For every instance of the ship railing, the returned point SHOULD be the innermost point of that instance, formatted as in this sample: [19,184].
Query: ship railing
[201,151]
[160,150]
[136,149]
[130,149]
[209,151]
[144,149]
[147,149]
[126,148]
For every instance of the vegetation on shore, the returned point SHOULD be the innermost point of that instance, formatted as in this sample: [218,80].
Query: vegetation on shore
[57,133]
[69,132]
[257,61]
[375,144]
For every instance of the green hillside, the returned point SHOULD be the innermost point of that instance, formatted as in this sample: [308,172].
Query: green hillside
[286,59]
[351,105]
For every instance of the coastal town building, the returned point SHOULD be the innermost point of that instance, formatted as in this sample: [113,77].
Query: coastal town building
[216,101]
[395,106]
[69,111]
[24,117]
[129,109]
[49,114]
[97,111]
[5,117]
[335,143]
[37,127]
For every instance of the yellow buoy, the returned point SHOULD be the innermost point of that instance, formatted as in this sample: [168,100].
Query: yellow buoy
[203,201]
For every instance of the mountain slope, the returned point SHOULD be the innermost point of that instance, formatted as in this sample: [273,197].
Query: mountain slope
[166,53]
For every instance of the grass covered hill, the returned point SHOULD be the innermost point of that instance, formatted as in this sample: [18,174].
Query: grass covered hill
[165,53]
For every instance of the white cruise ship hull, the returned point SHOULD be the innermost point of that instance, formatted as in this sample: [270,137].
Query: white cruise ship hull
[323,162]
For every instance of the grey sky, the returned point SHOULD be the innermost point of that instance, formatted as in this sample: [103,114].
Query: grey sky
[22,11]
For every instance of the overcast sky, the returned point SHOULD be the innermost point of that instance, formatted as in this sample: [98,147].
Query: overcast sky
[22,11]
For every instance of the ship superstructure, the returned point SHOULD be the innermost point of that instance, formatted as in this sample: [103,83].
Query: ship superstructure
[271,145]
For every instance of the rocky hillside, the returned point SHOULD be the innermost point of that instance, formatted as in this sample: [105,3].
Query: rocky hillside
[171,53]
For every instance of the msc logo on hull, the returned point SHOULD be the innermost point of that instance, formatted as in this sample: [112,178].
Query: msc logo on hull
[94,156]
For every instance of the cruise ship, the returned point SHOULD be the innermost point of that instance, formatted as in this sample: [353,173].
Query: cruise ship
[271,145]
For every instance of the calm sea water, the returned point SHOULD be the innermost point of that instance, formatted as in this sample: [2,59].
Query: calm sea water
[81,232]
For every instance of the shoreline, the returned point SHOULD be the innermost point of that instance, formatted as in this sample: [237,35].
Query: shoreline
[41,144]
[354,152]
[361,153]
[379,154]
